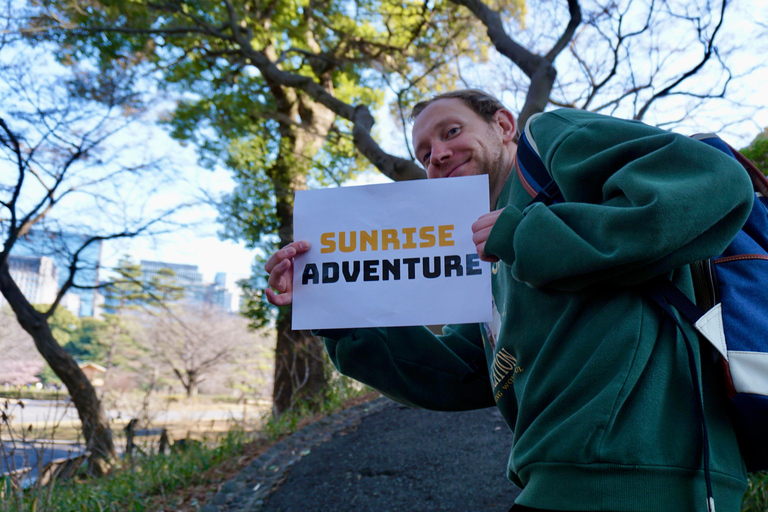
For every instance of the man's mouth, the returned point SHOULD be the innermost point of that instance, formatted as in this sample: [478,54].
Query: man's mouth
[455,169]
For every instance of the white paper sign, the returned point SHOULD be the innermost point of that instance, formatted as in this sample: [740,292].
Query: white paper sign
[394,254]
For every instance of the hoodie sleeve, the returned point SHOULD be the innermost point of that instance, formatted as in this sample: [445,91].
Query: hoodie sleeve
[640,202]
[413,366]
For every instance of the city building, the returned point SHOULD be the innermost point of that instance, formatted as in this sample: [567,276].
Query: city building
[59,247]
[36,277]
[72,302]
[187,276]
[224,293]
[40,263]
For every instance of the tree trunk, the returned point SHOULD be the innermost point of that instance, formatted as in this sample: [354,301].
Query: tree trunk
[299,369]
[96,431]
[192,385]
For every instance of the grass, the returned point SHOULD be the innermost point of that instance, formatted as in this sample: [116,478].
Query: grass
[756,497]
[182,481]
[185,481]
[34,394]
[133,486]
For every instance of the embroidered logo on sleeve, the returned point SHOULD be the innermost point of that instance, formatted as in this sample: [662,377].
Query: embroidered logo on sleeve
[505,368]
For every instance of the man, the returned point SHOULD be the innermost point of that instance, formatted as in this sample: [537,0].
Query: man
[593,381]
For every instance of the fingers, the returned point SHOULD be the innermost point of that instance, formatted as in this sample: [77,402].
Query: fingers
[485,257]
[280,269]
[289,251]
[481,230]
[284,299]
[281,276]
[486,221]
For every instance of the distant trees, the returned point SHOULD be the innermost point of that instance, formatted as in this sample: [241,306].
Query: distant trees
[89,342]
[63,323]
[155,337]
[284,93]
[60,164]
[191,342]
[283,96]
[126,296]
[15,342]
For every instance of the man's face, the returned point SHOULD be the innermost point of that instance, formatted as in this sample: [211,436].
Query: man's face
[452,140]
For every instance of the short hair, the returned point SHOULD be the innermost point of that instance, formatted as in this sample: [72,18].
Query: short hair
[484,104]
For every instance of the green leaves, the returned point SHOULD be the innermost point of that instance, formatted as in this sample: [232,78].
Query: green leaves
[757,151]
[218,61]
[63,323]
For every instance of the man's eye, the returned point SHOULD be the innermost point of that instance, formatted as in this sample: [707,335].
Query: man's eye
[453,131]
[425,158]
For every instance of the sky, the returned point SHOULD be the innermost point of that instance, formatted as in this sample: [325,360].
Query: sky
[202,246]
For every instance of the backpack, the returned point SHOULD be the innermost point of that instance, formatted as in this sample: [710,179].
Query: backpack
[731,309]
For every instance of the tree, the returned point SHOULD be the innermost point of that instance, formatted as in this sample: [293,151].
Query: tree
[127,293]
[192,342]
[57,156]
[63,323]
[48,376]
[87,343]
[757,151]
[285,90]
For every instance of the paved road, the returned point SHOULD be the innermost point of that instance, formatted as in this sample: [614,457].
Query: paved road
[18,455]
[54,411]
[15,456]
[39,411]
[387,458]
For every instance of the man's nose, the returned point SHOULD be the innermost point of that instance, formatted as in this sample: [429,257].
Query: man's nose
[440,153]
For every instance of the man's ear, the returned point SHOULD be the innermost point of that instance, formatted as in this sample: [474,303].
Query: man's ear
[507,123]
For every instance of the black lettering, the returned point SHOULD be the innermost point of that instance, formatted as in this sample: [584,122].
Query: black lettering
[473,265]
[411,262]
[390,267]
[330,272]
[310,272]
[453,263]
[350,276]
[369,270]
[434,273]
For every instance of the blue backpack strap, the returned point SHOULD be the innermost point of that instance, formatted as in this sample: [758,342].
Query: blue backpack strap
[716,142]
[534,176]
[759,180]
[676,298]
[665,295]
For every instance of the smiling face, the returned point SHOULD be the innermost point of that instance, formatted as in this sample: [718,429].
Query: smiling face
[453,140]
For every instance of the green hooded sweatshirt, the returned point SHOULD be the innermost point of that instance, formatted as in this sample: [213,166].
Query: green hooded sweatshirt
[592,380]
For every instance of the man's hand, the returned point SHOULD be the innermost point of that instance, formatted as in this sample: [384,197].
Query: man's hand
[481,230]
[280,269]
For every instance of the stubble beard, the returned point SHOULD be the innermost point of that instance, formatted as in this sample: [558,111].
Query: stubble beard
[492,164]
